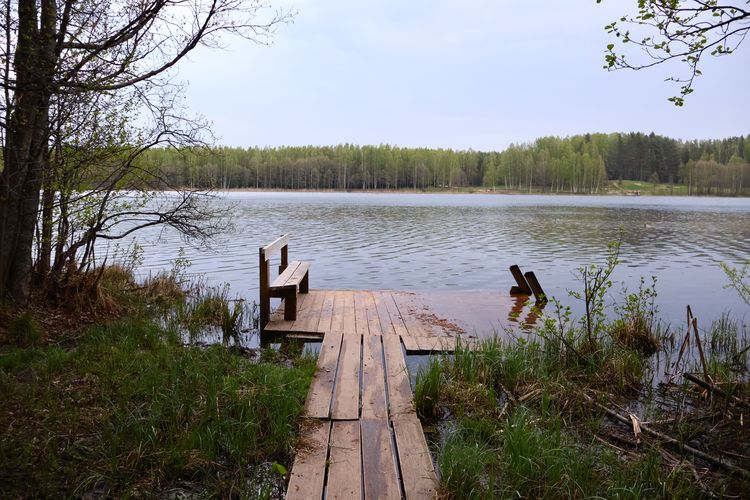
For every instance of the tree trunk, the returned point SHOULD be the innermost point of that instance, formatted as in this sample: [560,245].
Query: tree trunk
[25,154]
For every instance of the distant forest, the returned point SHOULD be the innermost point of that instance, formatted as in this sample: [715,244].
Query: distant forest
[578,164]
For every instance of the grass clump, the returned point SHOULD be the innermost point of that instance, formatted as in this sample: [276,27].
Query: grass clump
[427,390]
[211,308]
[637,327]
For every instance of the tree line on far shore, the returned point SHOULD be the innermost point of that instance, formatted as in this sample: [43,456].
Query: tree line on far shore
[576,164]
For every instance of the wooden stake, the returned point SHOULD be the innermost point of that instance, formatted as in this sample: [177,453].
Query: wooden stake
[523,287]
[700,351]
[535,287]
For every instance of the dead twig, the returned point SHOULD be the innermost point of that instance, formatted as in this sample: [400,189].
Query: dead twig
[668,439]
[715,389]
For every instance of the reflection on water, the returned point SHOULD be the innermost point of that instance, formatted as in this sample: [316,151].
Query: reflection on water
[465,242]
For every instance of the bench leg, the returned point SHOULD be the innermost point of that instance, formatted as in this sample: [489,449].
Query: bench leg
[303,285]
[290,307]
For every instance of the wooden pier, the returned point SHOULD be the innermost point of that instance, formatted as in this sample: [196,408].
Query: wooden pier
[362,437]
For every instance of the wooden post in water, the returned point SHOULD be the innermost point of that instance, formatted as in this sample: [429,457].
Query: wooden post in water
[523,287]
[535,287]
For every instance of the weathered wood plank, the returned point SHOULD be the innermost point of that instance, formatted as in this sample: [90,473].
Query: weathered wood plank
[373,379]
[384,300]
[278,323]
[346,392]
[373,317]
[410,343]
[360,314]
[390,325]
[417,471]
[435,344]
[298,276]
[320,394]
[410,315]
[337,316]
[308,471]
[345,463]
[326,313]
[308,313]
[275,245]
[285,278]
[400,398]
[349,322]
[379,466]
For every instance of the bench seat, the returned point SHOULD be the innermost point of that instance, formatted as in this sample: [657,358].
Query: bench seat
[286,286]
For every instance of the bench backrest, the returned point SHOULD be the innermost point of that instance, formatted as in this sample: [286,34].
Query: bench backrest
[280,244]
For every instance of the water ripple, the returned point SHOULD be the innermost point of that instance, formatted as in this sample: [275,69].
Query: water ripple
[468,242]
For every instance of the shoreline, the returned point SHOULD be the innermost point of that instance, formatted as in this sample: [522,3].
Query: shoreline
[480,191]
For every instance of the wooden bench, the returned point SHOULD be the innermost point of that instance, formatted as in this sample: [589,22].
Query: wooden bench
[292,279]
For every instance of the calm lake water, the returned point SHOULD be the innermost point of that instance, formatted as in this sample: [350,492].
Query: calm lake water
[467,242]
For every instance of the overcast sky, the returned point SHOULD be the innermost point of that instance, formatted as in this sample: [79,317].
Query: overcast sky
[471,74]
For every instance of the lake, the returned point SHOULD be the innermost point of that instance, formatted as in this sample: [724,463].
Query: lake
[468,241]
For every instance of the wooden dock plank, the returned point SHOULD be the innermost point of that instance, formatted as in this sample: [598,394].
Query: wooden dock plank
[345,463]
[378,460]
[373,379]
[410,343]
[309,311]
[400,399]
[410,312]
[278,323]
[308,472]
[337,314]
[386,325]
[373,316]
[320,394]
[360,314]
[349,322]
[436,344]
[346,391]
[417,471]
[386,300]
[326,313]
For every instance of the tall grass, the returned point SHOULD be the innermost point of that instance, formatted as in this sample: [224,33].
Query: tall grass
[131,412]
[427,391]
[520,428]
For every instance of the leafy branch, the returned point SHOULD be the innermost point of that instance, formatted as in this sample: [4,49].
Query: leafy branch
[682,30]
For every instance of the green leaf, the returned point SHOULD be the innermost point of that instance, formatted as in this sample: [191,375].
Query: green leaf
[279,468]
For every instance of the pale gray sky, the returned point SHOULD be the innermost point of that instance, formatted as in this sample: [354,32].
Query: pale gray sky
[473,74]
